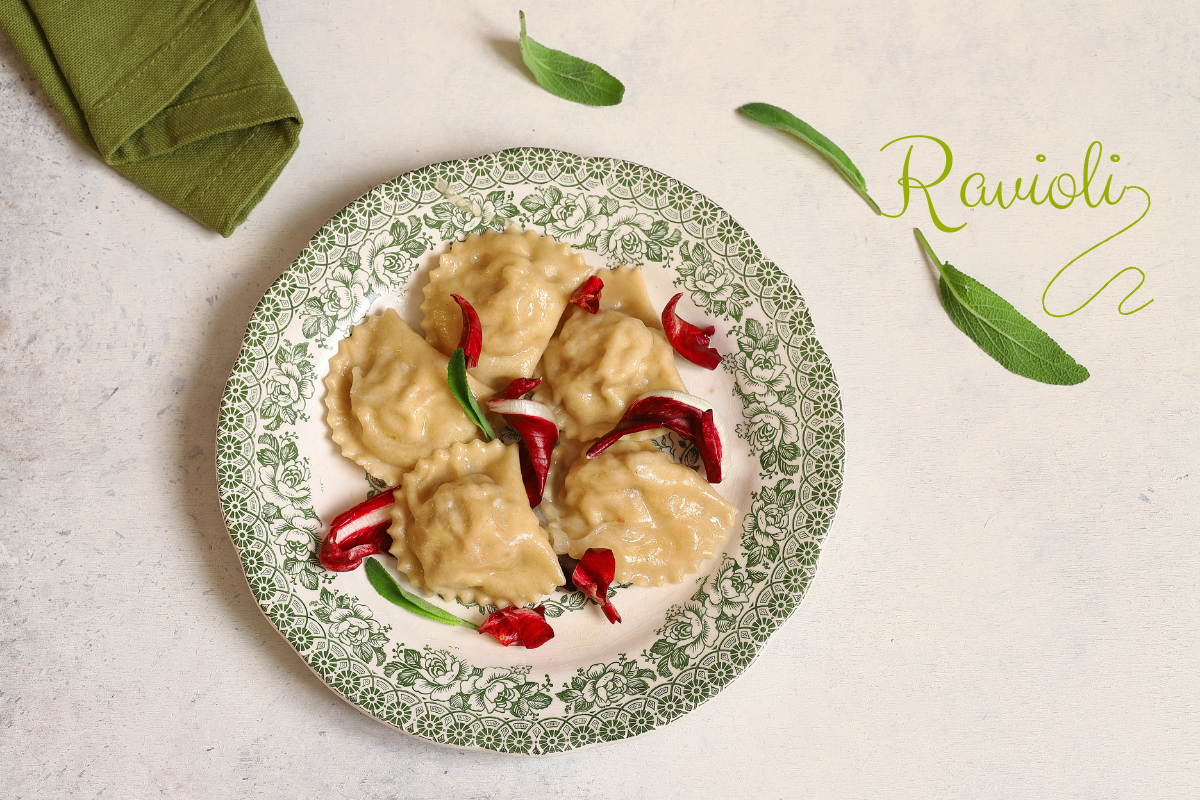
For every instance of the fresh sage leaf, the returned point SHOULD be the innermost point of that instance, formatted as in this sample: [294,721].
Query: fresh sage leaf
[387,587]
[456,376]
[1002,331]
[569,77]
[777,117]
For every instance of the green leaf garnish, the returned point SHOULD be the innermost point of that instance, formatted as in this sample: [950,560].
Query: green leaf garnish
[456,376]
[569,77]
[386,585]
[1001,330]
[776,117]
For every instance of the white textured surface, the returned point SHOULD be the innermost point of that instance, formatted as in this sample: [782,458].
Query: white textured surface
[1007,603]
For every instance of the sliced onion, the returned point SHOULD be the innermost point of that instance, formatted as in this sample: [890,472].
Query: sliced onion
[522,408]
[360,532]
[538,429]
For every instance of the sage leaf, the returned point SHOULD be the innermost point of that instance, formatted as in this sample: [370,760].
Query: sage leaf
[1002,331]
[456,376]
[776,117]
[569,77]
[387,587]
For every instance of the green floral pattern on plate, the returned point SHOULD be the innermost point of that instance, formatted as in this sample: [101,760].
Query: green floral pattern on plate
[624,213]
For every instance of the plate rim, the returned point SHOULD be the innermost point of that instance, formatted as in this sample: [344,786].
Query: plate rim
[794,331]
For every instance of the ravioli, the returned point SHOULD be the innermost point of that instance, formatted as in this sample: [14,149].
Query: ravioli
[388,400]
[625,291]
[659,518]
[519,284]
[462,527]
[597,364]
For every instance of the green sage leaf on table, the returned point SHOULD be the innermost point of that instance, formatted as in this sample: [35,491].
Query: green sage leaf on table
[569,77]
[387,587]
[456,376]
[777,117]
[1002,331]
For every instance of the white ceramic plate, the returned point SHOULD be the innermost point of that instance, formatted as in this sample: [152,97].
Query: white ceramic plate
[282,479]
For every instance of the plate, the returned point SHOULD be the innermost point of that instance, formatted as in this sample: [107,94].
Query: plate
[281,477]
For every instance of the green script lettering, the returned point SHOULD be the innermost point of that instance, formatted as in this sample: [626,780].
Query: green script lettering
[1089,174]
[907,182]
[1061,192]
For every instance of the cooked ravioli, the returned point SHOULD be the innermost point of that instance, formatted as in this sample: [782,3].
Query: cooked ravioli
[462,527]
[659,518]
[518,282]
[597,364]
[625,291]
[388,400]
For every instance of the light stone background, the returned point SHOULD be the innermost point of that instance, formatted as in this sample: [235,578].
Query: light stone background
[1006,606]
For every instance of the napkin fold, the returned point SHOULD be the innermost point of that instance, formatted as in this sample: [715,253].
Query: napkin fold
[180,96]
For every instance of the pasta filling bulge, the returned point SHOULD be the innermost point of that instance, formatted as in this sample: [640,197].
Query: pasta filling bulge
[660,518]
[597,364]
[388,401]
[518,282]
[462,527]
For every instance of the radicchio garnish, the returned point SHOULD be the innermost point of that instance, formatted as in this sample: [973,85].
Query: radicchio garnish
[524,626]
[517,389]
[593,577]
[689,341]
[471,340]
[587,296]
[539,433]
[360,532]
[685,414]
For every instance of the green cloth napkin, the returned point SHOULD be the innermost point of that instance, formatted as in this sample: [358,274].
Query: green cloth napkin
[180,96]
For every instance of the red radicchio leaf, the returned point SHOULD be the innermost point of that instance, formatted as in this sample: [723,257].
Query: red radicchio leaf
[524,626]
[471,340]
[534,472]
[518,387]
[593,576]
[711,447]
[539,433]
[688,340]
[587,296]
[360,532]
[690,422]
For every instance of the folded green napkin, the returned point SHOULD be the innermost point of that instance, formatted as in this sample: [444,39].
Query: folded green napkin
[180,96]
